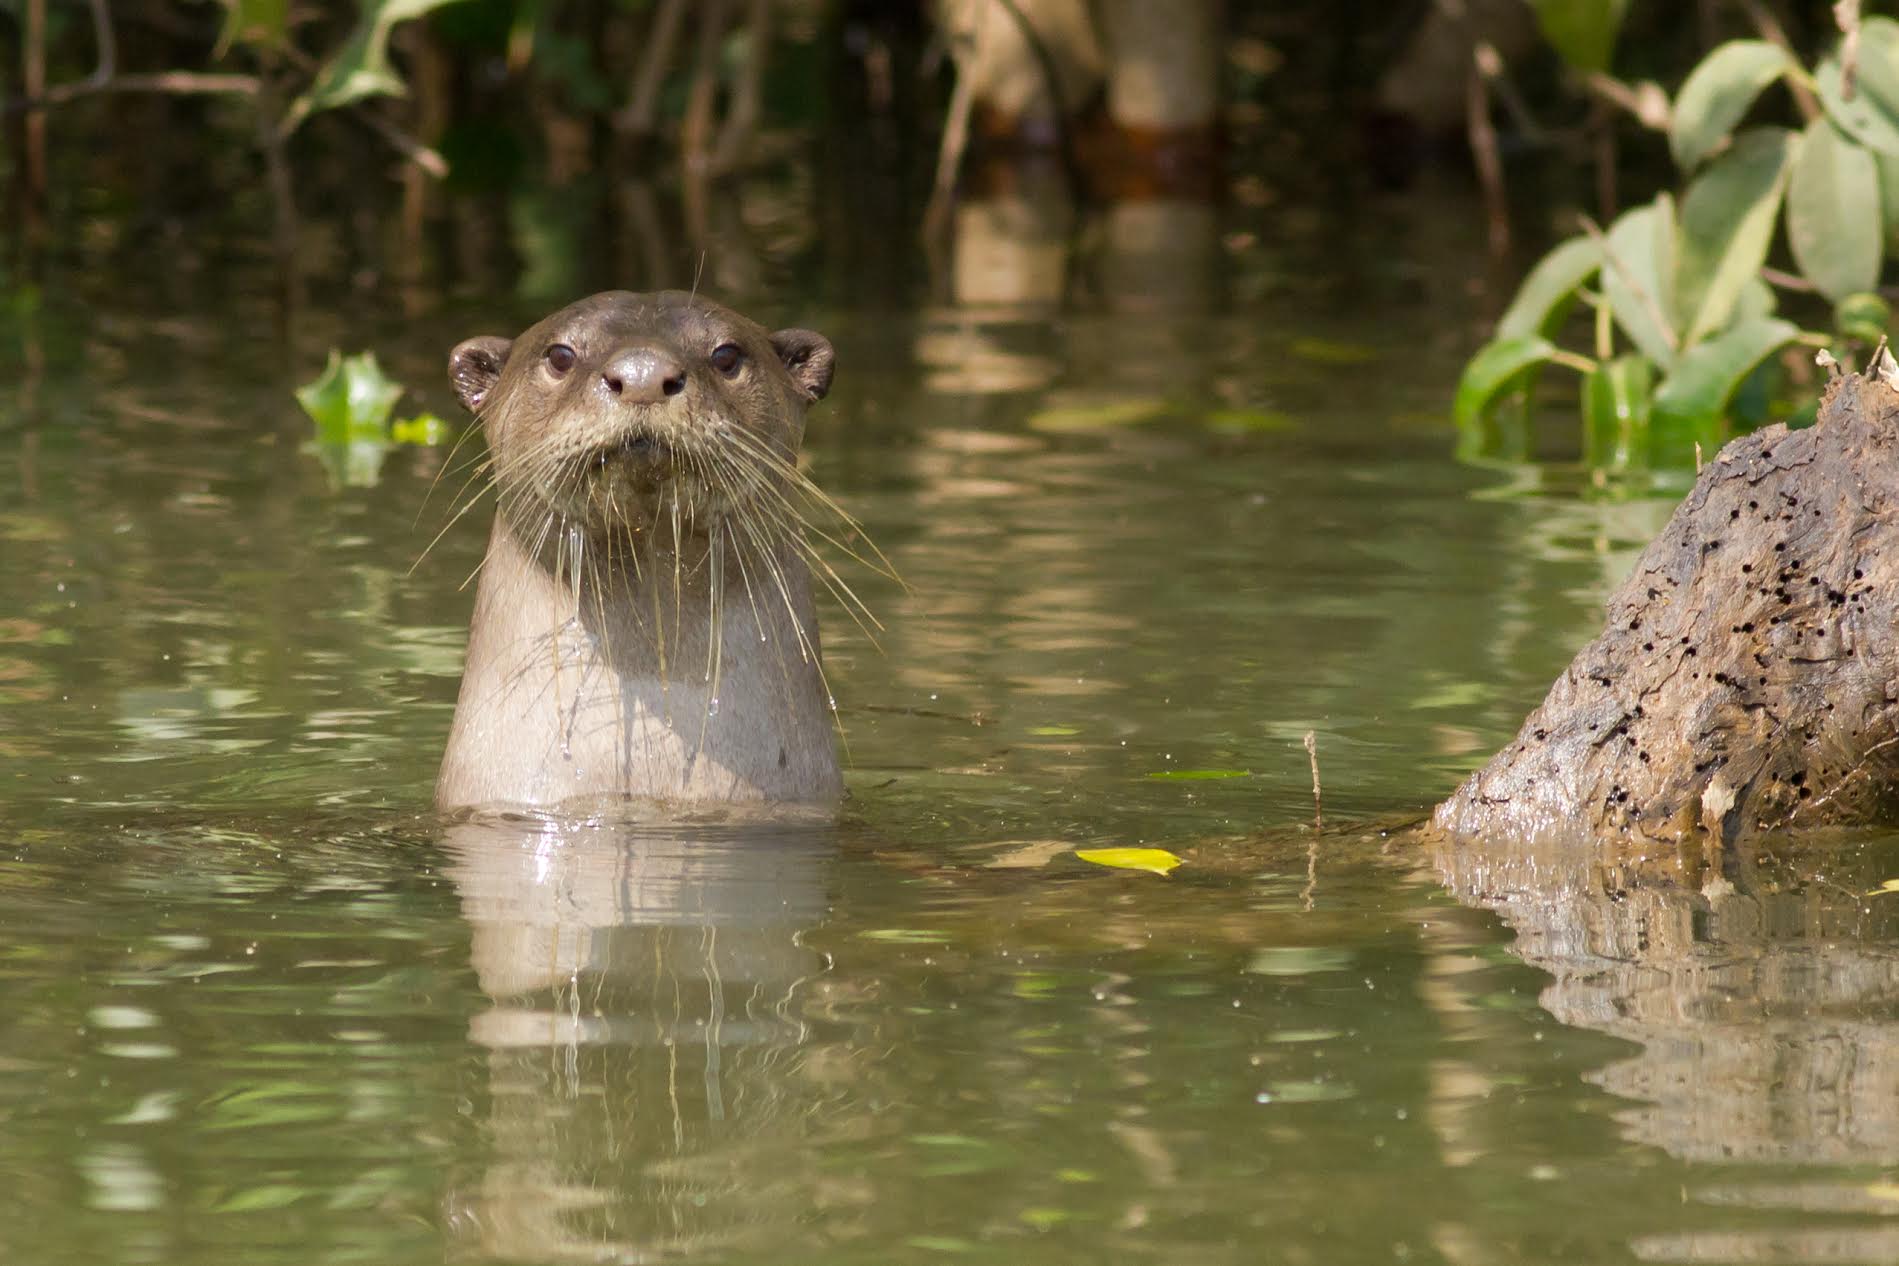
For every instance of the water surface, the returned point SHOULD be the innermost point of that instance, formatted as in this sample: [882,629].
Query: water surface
[260,1006]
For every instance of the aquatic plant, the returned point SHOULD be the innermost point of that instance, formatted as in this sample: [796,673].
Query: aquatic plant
[1686,304]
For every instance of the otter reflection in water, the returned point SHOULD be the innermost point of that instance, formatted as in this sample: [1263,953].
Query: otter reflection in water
[1765,1002]
[653,1078]
[644,628]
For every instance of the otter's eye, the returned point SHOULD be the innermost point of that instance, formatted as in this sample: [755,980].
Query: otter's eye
[726,357]
[560,358]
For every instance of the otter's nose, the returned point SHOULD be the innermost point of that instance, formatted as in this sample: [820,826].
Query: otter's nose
[643,375]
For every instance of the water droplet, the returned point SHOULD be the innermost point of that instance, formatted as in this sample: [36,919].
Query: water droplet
[712,706]
[832,701]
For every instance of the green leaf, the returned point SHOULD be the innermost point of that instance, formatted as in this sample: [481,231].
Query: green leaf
[1099,416]
[350,399]
[1758,299]
[1046,1219]
[258,23]
[1157,860]
[1582,31]
[1833,184]
[1872,116]
[1701,385]
[1889,198]
[350,403]
[1864,317]
[1545,295]
[1494,371]
[1638,277]
[425,429]
[1298,960]
[1198,775]
[1866,118]
[361,67]
[1455,694]
[1727,224]
[942,1243]
[1718,94]
[258,1199]
[1616,400]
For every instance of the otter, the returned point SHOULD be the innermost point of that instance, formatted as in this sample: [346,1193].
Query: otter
[644,636]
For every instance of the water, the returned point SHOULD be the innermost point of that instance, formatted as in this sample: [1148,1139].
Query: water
[259,1006]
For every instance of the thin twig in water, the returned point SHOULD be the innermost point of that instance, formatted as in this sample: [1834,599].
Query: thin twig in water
[1312,754]
[1318,824]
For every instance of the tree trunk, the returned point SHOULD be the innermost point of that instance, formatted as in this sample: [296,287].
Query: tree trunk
[1748,678]
[1164,64]
[1007,75]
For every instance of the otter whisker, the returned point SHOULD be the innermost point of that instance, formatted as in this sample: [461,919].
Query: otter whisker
[447,463]
[805,650]
[453,519]
[846,597]
[802,482]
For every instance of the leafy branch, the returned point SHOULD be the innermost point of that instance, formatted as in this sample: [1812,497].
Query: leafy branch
[1685,300]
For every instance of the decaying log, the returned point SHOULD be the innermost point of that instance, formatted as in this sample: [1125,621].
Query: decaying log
[1748,676]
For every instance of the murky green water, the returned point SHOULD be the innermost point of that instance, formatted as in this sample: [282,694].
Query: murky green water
[256,1005]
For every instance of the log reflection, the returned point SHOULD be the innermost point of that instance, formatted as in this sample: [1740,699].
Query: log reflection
[653,1069]
[1761,988]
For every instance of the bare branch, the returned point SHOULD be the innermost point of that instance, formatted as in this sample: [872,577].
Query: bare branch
[1846,13]
[173,82]
[1645,101]
[427,158]
[1771,30]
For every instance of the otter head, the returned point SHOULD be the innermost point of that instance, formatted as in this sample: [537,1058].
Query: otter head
[625,409]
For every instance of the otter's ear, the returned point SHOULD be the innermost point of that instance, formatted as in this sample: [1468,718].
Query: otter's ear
[808,355]
[475,366]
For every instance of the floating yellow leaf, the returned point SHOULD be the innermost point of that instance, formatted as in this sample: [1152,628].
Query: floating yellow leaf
[1158,860]
[1891,885]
